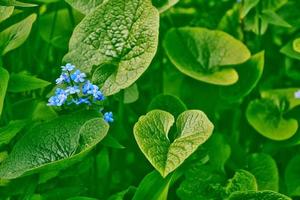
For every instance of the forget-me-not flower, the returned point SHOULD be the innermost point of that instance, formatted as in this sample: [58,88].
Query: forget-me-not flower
[73,90]
[68,67]
[108,117]
[78,76]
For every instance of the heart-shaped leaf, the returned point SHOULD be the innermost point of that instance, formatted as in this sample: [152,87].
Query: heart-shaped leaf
[54,145]
[202,54]
[260,195]
[249,75]
[267,118]
[152,130]
[121,33]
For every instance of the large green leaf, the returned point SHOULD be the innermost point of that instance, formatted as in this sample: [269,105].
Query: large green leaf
[264,168]
[54,145]
[86,6]
[266,117]
[4,77]
[260,195]
[202,54]
[22,82]
[5,12]
[152,135]
[15,35]
[292,176]
[249,75]
[119,37]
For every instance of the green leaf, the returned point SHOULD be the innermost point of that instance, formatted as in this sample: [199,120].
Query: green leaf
[5,12]
[273,18]
[249,74]
[266,118]
[260,195]
[218,151]
[81,198]
[4,77]
[60,33]
[292,176]
[121,34]
[54,145]
[123,194]
[202,54]
[8,132]
[247,6]
[22,82]
[283,96]
[86,6]
[163,5]
[152,135]
[169,103]
[16,3]
[290,51]
[273,4]
[153,187]
[102,163]
[296,45]
[131,94]
[15,35]
[241,181]
[201,183]
[264,168]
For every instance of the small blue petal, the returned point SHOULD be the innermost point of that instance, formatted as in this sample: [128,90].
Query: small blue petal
[108,117]
[78,77]
[68,67]
[63,78]
[73,90]
[81,101]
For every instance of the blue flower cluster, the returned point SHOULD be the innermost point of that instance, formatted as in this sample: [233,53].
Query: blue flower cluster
[297,94]
[75,89]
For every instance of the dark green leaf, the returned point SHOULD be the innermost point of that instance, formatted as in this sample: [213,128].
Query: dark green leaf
[8,132]
[292,176]
[260,195]
[15,35]
[264,168]
[22,82]
[249,75]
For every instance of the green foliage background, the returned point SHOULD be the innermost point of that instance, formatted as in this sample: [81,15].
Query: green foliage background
[202,91]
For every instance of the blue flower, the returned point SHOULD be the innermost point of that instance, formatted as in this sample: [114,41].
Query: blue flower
[89,88]
[108,117]
[69,67]
[99,96]
[81,101]
[59,98]
[78,77]
[297,94]
[63,78]
[73,90]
